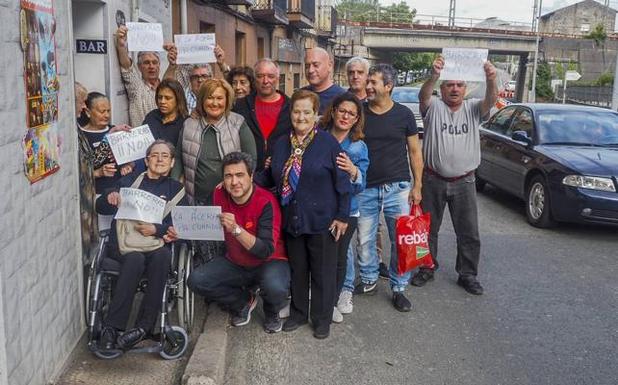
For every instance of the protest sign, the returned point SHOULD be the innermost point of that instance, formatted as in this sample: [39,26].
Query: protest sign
[463,64]
[195,48]
[140,205]
[131,145]
[198,222]
[145,37]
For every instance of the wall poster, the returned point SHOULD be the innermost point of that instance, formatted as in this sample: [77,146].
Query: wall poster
[41,144]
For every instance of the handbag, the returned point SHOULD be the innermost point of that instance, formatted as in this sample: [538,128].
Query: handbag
[412,232]
[129,239]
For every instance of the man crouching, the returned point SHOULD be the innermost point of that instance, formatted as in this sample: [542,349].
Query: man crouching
[255,254]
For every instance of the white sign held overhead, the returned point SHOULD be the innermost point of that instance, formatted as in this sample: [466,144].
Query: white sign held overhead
[572,76]
[198,222]
[463,64]
[145,37]
[131,145]
[195,48]
[140,205]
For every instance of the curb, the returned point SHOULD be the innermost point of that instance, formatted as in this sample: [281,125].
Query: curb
[206,365]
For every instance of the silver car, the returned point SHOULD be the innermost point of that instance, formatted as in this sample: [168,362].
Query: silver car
[408,96]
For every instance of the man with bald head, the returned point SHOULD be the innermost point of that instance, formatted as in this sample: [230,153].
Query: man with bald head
[267,111]
[452,152]
[319,72]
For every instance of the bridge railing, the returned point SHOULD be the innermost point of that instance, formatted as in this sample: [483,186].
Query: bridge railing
[588,95]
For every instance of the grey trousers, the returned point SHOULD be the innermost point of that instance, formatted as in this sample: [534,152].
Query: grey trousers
[460,196]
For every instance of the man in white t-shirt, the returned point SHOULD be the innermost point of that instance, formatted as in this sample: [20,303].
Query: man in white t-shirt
[451,150]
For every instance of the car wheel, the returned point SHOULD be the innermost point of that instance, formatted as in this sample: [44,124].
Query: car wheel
[480,183]
[538,205]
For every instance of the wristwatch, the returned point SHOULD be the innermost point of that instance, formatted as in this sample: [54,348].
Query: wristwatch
[237,230]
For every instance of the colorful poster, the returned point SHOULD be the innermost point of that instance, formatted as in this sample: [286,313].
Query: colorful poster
[41,144]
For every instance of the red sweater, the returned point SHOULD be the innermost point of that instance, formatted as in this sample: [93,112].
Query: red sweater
[259,216]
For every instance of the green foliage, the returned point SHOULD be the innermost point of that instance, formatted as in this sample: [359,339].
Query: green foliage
[406,61]
[597,34]
[605,79]
[543,81]
[371,10]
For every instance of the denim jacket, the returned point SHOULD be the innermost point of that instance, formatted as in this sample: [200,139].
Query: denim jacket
[359,155]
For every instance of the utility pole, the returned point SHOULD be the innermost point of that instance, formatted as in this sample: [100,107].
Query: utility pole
[451,14]
[532,94]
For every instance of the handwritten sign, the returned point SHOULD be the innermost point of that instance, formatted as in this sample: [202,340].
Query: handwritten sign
[464,64]
[132,145]
[198,222]
[145,37]
[140,205]
[195,48]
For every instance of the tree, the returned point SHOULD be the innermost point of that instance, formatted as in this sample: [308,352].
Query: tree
[543,81]
[406,61]
[371,10]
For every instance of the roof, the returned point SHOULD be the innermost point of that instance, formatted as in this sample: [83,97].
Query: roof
[575,5]
[539,107]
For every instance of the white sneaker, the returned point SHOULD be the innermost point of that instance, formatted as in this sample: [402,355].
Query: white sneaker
[337,317]
[285,312]
[344,305]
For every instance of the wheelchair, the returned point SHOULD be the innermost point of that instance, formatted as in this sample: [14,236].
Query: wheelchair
[173,340]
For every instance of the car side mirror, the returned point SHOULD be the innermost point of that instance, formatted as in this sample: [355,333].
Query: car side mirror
[521,136]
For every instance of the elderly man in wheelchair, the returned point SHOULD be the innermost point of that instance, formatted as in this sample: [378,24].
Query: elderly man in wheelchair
[140,250]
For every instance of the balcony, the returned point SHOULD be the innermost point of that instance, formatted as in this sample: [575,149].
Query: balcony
[301,13]
[270,11]
[239,2]
[327,21]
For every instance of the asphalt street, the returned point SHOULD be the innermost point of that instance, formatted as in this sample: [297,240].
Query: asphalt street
[549,315]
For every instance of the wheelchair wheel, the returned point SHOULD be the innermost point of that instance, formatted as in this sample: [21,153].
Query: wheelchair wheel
[176,343]
[185,295]
[107,354]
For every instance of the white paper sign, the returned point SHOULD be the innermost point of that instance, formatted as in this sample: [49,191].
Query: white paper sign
[132,145]
[195,48]
[463,64]
[145,37]
[140,205]
[198,222]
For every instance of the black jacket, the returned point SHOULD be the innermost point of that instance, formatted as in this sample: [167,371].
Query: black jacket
[167,131]
[246,108]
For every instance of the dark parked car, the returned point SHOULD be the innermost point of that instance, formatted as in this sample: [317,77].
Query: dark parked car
[408,96]
[561,159]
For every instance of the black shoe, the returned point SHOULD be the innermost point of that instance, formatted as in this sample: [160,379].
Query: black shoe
[383,271]
[272,323]
[321,332]
[131,337]
[244,315]
[422,277]
[366,288]
[401,303]
[471,285]
[292,324]
[107,338]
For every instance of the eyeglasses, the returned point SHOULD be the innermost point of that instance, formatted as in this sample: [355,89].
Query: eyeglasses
[343,112]
[200,77]
[164,156]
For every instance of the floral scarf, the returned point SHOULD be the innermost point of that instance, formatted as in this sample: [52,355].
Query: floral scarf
[292,167]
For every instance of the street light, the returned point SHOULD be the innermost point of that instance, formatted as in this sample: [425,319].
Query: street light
[532,95]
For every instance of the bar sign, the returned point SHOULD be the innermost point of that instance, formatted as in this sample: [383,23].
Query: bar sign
[91,46]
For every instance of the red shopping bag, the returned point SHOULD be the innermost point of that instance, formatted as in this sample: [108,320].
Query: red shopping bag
[412,233]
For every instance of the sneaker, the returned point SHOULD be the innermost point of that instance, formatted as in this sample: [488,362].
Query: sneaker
[337,317]
[383,271]
[292,324]
[130,338]
[285,312]
[401,303]
[471,285]
[321,332]
[422,277]
[244,315]
[344,304]
[272,323]
[366,288]
[107,339]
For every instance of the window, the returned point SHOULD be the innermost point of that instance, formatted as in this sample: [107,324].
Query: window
[241,51]
[522,122]
[296,81]
[260,47]
[282,83]
[501,121]
[585,28]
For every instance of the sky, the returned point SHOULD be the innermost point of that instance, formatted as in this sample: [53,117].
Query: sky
[510,10]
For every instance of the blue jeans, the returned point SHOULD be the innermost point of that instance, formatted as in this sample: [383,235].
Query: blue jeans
[392,200]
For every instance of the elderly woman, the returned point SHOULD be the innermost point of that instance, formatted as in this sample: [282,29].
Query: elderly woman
[344,119]
[242,80]
[204,141]
[155,263]
[167,119]
[315,198]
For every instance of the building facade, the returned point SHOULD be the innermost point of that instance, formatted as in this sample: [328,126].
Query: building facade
[578,19]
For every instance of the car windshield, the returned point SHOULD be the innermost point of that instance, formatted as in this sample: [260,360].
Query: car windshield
[406,95]
[596,128]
